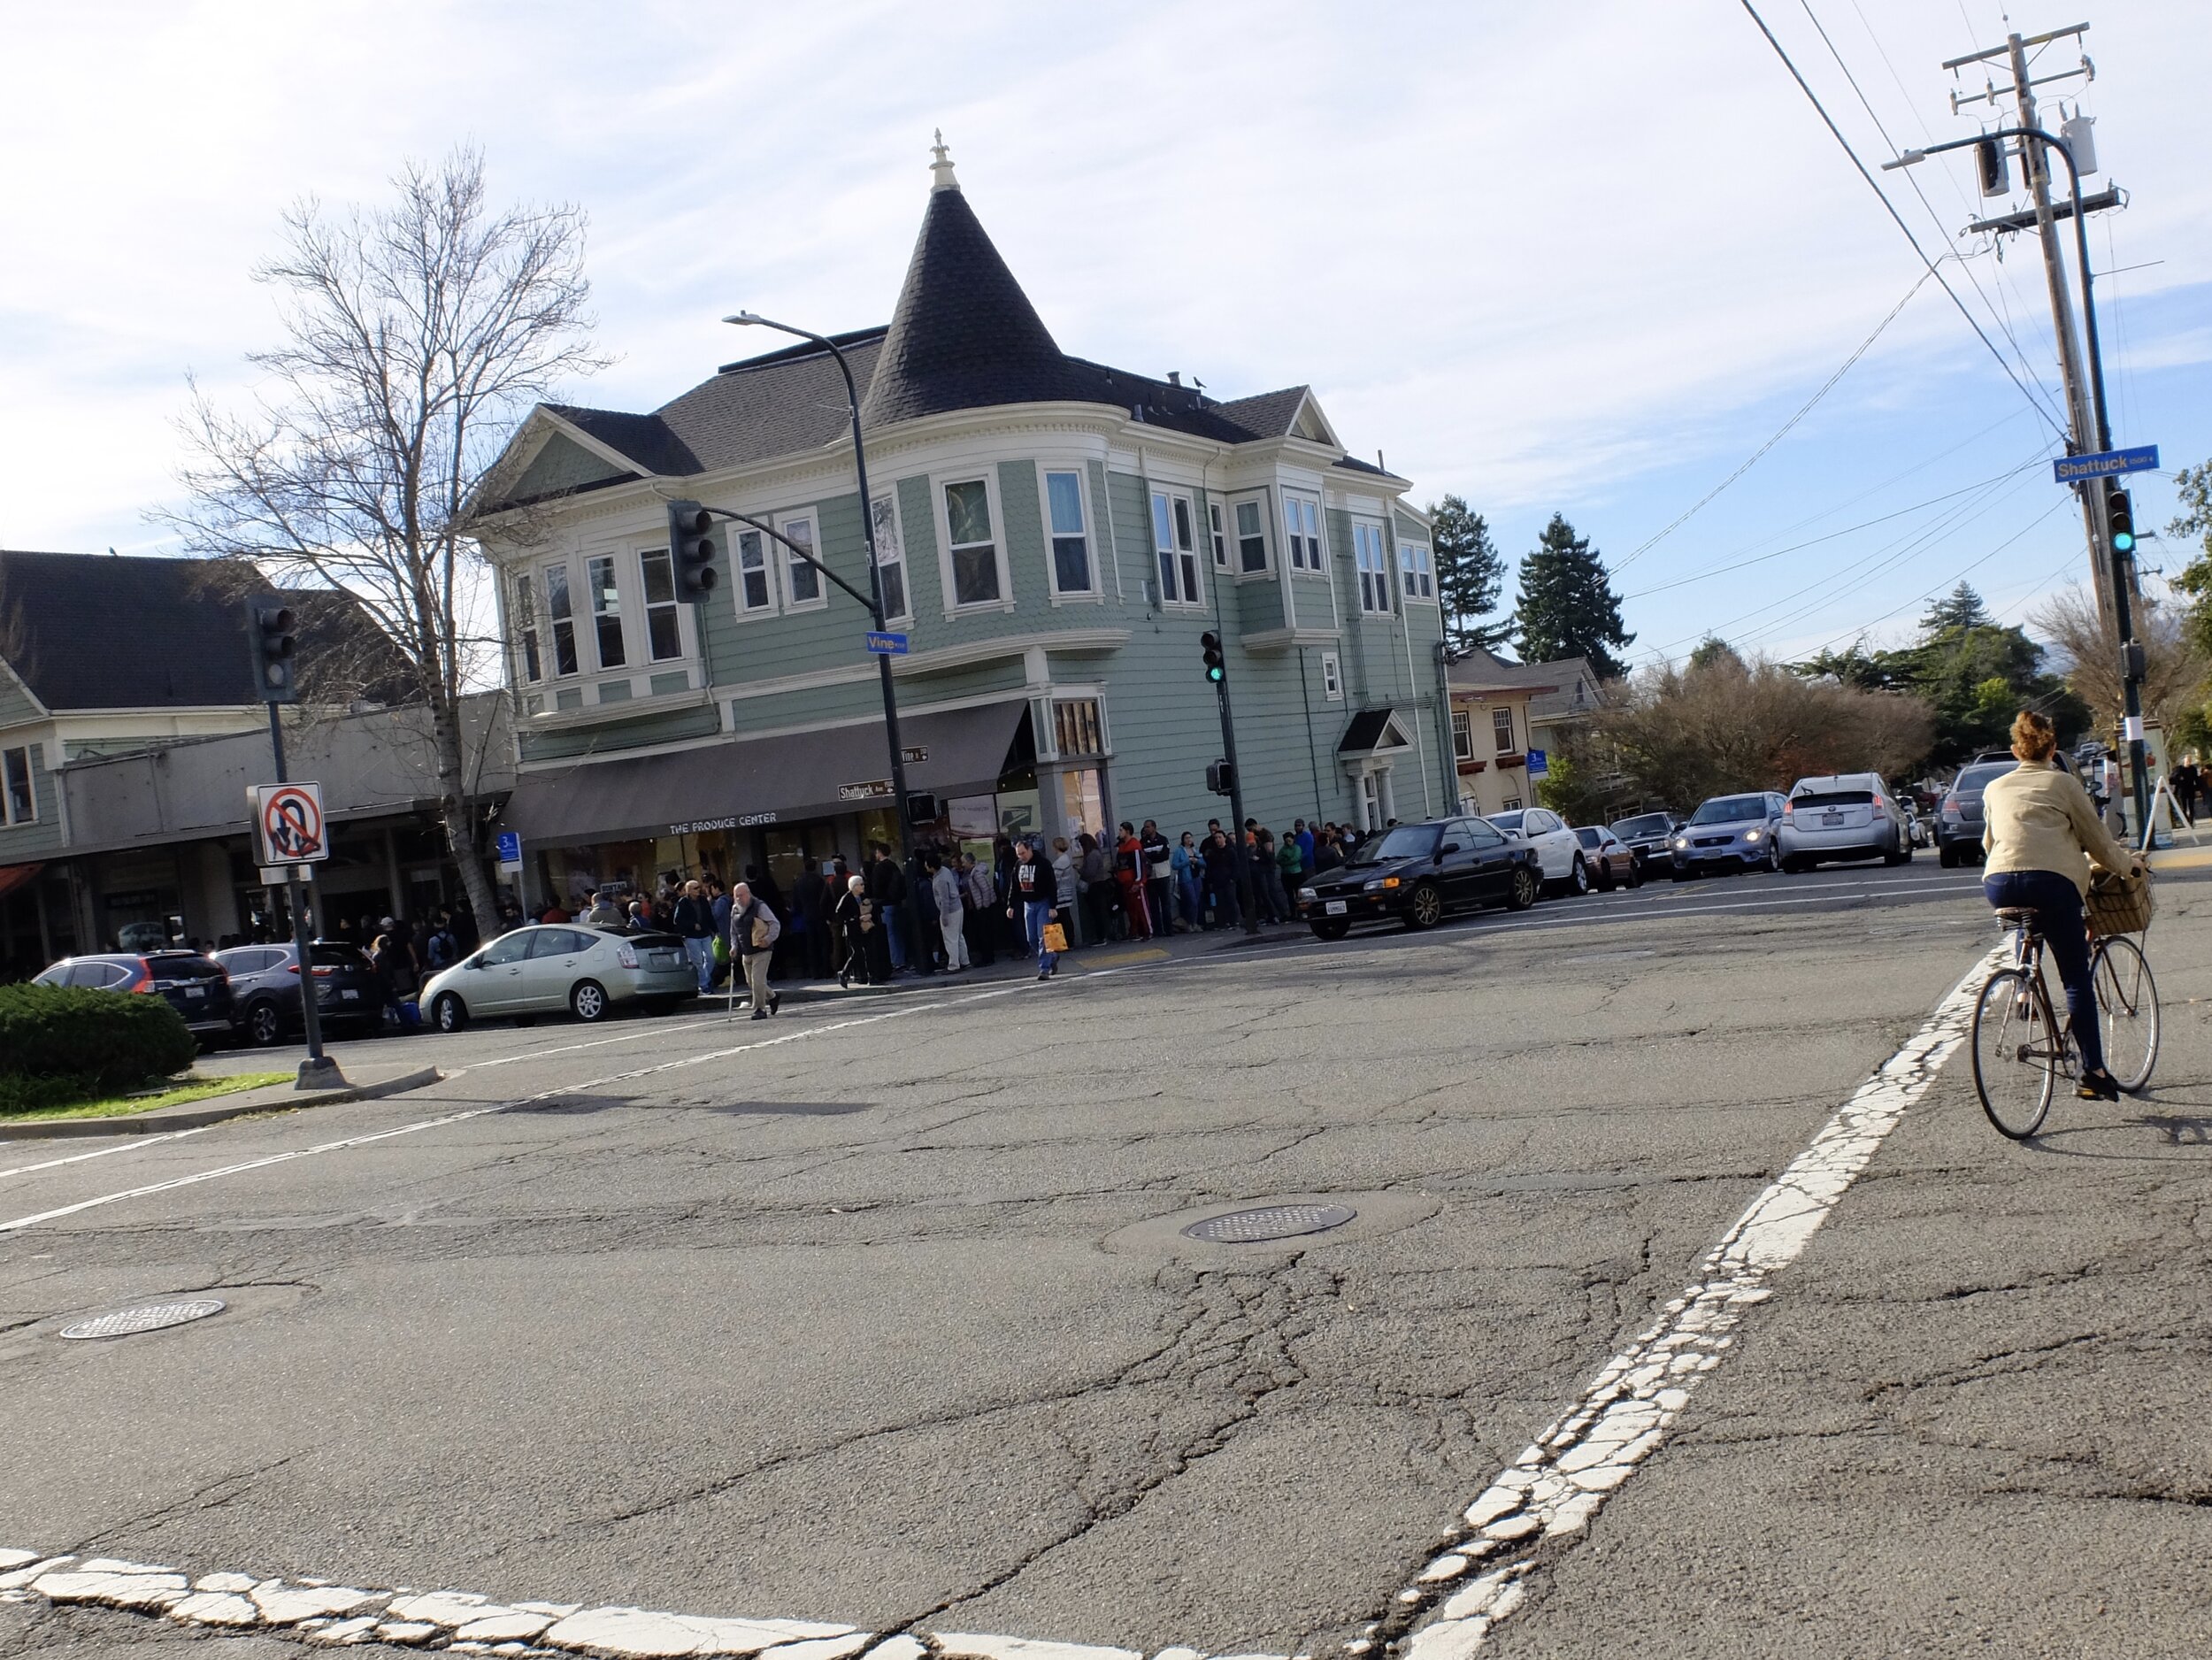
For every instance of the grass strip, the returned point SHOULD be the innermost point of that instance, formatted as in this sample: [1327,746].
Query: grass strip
[127,1106]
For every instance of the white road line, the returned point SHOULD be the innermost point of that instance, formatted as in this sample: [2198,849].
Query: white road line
[267,1159]
[1573,1467]
[129,1146]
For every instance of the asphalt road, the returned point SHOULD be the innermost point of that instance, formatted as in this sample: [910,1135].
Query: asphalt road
[879,1315]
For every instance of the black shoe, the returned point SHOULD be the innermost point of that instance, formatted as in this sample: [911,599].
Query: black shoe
[760,1014]
[2097,1086]
[1044,974]
[1054,969]
[844,981]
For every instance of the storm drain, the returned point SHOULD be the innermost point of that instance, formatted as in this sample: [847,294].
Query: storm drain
[153,1317]
[1270,1221]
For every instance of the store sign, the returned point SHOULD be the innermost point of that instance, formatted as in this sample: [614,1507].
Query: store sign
[874,789]
[743,821]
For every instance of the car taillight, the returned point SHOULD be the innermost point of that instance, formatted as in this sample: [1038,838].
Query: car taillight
[324,972]
[1788,807]
[626,956]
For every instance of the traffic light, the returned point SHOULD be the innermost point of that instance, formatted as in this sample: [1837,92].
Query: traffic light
[268,633]
[1996,177]
[1221,777]
[1209,647]
[691,545]
[2119,517]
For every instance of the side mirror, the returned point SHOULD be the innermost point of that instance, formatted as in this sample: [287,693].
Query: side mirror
[1449,847]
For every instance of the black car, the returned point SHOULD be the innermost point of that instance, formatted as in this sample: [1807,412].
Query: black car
[1647,835]
[1959,816]
[195,986]
[264,982]
[1417,872]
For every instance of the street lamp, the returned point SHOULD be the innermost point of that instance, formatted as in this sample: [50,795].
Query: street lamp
[750,320]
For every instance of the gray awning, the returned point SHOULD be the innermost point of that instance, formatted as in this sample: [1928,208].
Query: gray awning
[761,781]
[1371,730]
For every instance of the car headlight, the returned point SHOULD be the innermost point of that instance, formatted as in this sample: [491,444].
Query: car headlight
[1682,842]
[1307,895]
[1753,835]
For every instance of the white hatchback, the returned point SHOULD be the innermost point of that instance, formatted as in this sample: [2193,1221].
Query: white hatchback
[1558,850]
[547,968]
[1843,816]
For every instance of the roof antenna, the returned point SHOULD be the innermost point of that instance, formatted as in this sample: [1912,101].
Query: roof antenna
[112,554]
[941,169]
[1380,462]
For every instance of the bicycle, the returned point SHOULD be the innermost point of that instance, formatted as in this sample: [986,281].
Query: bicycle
[2021,1050]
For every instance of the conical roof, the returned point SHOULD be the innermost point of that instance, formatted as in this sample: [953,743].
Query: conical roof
[964,335]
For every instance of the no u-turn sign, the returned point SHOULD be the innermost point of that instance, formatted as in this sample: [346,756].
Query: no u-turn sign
[288,824]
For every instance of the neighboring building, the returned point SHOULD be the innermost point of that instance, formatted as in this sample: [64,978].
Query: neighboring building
[1055,536]
[1555,715]
[1492,700]
[128,734]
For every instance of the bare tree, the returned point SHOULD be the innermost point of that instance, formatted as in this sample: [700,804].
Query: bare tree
[2175,667]
[417,335]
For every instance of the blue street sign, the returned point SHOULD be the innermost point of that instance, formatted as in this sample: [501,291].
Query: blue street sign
[1538,763]
[2073,469]
[888,645]
[510,847]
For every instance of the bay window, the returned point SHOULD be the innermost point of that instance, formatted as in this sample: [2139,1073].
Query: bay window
[1301,532]
[1070,544]
[890,557]
[606,609]
[22,804]
[527,629]
[1177,547]
[664,629]
[562,616]
[1367,552]
[972,543]
[1251,538]
[1417,576]
[803,583]
[751,560]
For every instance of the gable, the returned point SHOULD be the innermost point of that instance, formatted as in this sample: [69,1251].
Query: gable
[1312,424]
[561,466]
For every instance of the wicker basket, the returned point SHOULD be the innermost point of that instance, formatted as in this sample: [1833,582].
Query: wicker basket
[2120,904]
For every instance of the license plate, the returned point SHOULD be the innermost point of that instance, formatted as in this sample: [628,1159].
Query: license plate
[666,960]
[347,995]
[1333,908]
[195,991]
[1832,820]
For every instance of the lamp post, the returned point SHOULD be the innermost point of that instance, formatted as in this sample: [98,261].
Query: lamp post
[750,320]
[2122,612]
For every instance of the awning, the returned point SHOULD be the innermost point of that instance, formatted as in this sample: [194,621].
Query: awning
[761,781]
[1371,730]
[13,876]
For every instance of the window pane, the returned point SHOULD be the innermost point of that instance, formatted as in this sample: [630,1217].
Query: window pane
[974,575]
[525,608]
[557,604]
[667,635]
[752,567]
[968,514]
[888,547]
[557,590]
[1167,574]
[606,610]
[1190,576]
[660,578]
[21,805]
[1064,496]
[894,578]
[1072,565]
[1501,724]
[1182,523]
[806,582]
[1162,537]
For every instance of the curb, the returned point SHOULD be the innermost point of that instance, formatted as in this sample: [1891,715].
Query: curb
[196,1118]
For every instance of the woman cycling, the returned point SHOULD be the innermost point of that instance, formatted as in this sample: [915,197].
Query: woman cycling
[2042,834]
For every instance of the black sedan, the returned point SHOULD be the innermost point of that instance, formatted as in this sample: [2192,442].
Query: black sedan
[1416,872]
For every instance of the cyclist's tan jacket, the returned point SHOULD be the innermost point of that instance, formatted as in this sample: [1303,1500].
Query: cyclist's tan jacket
[2040,819]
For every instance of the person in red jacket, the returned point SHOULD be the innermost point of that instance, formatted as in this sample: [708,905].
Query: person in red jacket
[1129,876]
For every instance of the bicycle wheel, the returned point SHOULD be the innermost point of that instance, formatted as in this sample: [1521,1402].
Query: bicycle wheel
[2127,1010]
[2016,1053]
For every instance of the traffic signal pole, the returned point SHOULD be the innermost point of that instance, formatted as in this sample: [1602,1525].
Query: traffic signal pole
[1213,646]
[318,1071]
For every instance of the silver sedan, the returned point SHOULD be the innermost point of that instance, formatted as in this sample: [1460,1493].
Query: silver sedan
[547,968]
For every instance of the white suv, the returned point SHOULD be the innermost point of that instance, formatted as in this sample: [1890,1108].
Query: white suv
[1848,816]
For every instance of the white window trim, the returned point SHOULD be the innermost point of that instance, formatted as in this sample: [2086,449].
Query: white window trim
[547,637]
[988,478]
[810,517]
[686,637]
[1319,564]
[1426,564]
[1199,600]
[1269,549]
[1095,594]
[770,554]
[616,560]
[1332,678]
[1508,747]
[8,815]
[905,565]
[1217,532]
[1378,537]
[1462,735]
[519,584]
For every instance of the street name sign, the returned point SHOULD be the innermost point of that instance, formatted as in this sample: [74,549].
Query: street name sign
[2104,463]
[887,645]
[287,823]
[873,789]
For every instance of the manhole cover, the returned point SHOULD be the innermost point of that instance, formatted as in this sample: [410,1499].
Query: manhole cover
[151,1317]
[1270,1221]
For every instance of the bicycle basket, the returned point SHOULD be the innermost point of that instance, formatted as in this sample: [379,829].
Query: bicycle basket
[2118,903]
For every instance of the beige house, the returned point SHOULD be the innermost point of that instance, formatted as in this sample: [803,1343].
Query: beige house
[1491,707]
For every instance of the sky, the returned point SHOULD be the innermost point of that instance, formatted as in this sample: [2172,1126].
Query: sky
[1583,259]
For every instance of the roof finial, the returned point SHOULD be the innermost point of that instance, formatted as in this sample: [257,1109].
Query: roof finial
[941,170]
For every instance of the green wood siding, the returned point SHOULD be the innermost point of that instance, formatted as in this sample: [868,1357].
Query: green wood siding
[16,707]
[42,838]
[562,464]
[610,737]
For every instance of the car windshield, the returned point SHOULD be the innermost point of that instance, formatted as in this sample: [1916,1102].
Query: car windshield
[1730,810]
[1651,823]
[1978,777]
[1407,842]
[1507,821]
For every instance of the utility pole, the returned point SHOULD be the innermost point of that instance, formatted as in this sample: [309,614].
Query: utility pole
[1212,649]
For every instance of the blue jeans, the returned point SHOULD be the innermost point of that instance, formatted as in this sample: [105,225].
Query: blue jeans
[895,919]
[701,951]
[1193,903]
[2057,905]
[1035,915]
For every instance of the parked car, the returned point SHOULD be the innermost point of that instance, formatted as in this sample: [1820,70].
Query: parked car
[1647,835]
[1558,850]
[543,969]
[1611,864]
[195,986]
[1843,816]
[1417,872]
[264,989]
[1959,817]
[1729,832]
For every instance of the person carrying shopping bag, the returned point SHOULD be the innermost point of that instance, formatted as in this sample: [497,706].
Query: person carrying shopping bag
[754,931]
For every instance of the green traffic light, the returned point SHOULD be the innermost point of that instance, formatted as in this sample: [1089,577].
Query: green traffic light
[2124,540]
[1214,674]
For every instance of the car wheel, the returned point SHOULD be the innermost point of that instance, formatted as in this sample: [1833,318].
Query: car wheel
[1578,876]
[1774,857]
[449,1014]
[587,1000]
[1947,855]
[1335,928]
[263,1025]
[1606,879]
[1425,908]
[1681,873]
[1521,894]
[1635,874]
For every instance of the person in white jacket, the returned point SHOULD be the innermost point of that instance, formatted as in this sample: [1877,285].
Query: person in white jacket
[944,888]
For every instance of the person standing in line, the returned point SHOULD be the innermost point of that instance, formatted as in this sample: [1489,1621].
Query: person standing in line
[1129,879]
[1037,893]
[1159,877]
[606,910]
[1189,873]
[983,911]
[1221,877]
[1067,877]
[1301,833]
[1094,872]
[695,922]
[944,886]
[922,914]
[754,931]
[887,886]
[1291,864]
[720,901]
[809,899]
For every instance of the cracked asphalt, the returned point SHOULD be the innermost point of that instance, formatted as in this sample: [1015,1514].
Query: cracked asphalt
[890,1323]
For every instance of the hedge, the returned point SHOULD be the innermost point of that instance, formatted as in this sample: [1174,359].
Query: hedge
[101,1040]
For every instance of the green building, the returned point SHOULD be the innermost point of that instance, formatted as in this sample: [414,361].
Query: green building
[1054,536]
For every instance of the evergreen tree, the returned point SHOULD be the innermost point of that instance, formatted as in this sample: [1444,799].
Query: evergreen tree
[1961,608]
[1567,607]
[1714,652]
[1470,571]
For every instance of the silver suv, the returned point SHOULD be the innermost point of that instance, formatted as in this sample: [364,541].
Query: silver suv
[1844,816]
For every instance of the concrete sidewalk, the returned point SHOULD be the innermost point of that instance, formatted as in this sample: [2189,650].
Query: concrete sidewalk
[193,1115]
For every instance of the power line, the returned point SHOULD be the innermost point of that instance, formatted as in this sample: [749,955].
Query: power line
[1890,208]
[1782,431]
[1956,578]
